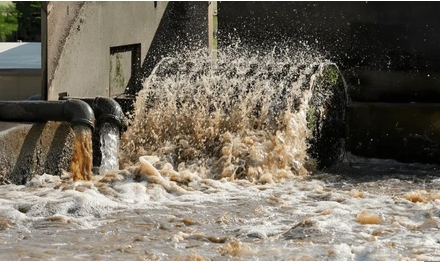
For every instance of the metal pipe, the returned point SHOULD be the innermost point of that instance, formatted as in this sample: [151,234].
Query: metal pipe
[105,109]
[73,111]
[108,110]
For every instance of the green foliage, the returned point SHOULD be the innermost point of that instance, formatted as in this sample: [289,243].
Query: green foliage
[29,21]
[8,22]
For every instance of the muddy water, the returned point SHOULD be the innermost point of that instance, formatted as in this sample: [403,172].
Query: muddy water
[390,212]
[82,157]
[207,177]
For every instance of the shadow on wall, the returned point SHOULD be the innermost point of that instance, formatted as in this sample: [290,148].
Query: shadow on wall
[365,35]
[184,25]
[373,35]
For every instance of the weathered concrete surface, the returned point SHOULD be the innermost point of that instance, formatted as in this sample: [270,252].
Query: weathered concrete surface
[79,38]
[184,26]
[19,84]
[30,149]
[406,132]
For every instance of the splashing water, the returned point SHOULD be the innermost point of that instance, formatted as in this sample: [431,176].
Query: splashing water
[244,116]
[204,140]
[109,138]
[82,157]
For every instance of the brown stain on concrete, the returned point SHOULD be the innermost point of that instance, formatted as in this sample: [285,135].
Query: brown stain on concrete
[29,149]
[34,149]
[61,17]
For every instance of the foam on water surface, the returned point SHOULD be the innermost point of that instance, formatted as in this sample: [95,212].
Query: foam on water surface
[132,218]
[206,177]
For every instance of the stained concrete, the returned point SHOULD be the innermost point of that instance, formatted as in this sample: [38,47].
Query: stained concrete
[80,36]
[27,149]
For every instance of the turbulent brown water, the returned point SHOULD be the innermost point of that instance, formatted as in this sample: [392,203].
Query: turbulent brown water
[215,167]
[243,116]
[82,157]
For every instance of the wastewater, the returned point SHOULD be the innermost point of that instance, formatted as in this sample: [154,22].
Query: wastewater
[109,140]
[82,159]
[215,166]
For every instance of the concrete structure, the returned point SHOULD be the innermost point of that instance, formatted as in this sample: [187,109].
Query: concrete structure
[108,48]
[19,84]
[20,70]
[89,43]
[92,49]
[27,149]
[387,51]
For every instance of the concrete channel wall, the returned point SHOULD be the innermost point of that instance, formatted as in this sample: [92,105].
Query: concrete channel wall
[388,53]
[80,42]
[93,49]
[27,149]
[91,43]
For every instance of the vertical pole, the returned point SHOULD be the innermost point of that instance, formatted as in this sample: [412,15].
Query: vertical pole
[212,28]
[43,40]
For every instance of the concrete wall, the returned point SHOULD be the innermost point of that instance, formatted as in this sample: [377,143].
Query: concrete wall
[387,51]
[29,149]
[19,84]
[91,49]
[81,37]
[374,35]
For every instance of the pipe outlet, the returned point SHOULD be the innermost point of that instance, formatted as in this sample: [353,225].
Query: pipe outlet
[105,109]
[73,111]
